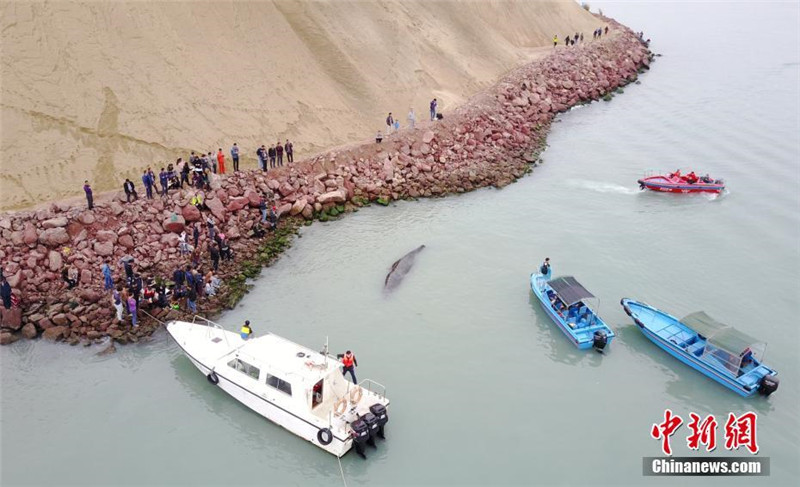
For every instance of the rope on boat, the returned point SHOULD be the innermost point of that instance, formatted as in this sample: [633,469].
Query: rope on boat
[341,470]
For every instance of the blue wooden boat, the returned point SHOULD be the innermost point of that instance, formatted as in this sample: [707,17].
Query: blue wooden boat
[564,300]
[725,354]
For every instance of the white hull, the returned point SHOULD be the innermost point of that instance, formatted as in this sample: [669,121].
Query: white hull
[216,353]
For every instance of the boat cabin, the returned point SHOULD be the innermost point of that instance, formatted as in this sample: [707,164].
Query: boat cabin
[567,298]
[720,345]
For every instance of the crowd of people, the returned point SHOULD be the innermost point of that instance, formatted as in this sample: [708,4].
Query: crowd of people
[571,40]
[196,171]
[393,124]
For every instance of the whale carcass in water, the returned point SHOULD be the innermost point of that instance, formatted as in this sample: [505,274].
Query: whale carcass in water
[400,269]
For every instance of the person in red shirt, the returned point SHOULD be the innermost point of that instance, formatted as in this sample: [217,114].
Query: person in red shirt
[350,363]
[221,161]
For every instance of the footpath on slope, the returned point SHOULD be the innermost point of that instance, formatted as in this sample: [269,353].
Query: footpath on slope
[490,141]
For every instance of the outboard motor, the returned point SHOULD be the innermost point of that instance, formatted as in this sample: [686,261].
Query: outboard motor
[600,340]
[768,385]
[372,424]
[360,436]
[379,410]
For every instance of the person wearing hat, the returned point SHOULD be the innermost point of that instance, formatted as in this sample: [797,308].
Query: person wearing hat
[246,331]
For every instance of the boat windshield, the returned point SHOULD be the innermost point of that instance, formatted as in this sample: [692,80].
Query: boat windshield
[732,348]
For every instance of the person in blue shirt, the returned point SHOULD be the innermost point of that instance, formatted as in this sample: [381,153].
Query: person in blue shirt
[163,178]
[235,157]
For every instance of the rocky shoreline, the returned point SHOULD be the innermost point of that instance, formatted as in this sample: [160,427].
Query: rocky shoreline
[490,141]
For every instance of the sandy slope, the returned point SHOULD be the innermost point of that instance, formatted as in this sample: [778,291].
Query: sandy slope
[99,90]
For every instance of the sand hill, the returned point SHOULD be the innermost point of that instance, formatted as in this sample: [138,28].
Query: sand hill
[98,90]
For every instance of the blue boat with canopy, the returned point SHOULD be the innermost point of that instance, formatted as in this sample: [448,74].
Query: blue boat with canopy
[730,357]
[565,301]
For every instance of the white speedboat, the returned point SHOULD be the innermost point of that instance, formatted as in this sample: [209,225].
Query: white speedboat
[295,387]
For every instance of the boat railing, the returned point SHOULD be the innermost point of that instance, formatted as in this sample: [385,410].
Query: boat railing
[212,326]
[373,387]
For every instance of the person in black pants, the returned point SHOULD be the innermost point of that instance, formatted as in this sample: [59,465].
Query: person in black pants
[271,152]
[214,256]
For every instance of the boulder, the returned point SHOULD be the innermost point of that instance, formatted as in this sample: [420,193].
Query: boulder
[217,209]
[29,331]
[338,196]
[60,319]
[87,218]
[55,261]
[104,249]
[284,209]
[237,203]
[428,136]
[11,318]
[55,222]
[7,338]
[253,198]
[55,333]
[298,206]
[174,223]
[86,276]
[90,295]
[190,213]
[106,236]
[126,241]
[286,189]
[53,237]
[115,208]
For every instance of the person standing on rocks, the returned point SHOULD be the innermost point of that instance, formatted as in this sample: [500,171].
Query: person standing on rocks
[389,124]
[262,157]
[555,41]
[271,152]
[434,106]
[88,190]
[132,311]
[5,292]
[108,280]
[212,249]
[220,161]
[262,207]
[163,178]
[183,247]
[116,300]
[235,157]
[130,190]
[196,234]
[581,36]
[191,299]
[148,186]
[412,118]
[606,30]
[289,148]
[279,153]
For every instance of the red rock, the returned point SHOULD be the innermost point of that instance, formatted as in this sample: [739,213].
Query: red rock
[298,206]
[284,209]
[286,189]
[11,318]
[216,208]
[90,295]
[428,137]
[106,236]
[55,333]
[273,184]
[87,218]
[338,196]
[53,237]
[55,222]
[253,198]
[237,203]
[116,208]
[174,223]
[7,338]
[190,213]
[55,261]
[29,331]
[86,276]
[126,241]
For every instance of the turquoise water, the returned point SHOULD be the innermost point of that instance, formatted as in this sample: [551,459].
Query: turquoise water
[484,389]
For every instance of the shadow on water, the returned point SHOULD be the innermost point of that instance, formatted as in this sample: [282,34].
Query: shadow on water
[690,387]
[556,345]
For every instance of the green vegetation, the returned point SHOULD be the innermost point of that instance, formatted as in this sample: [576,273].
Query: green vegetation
[608,97]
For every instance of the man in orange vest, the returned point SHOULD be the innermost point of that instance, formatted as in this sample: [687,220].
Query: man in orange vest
[350,363]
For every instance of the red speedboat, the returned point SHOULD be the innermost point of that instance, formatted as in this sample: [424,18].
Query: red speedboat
[682,183]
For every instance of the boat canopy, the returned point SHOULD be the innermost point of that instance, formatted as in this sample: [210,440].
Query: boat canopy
[569,290]
[722,337]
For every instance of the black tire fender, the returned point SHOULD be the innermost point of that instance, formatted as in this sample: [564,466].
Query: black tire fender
[324,436]
[212,377]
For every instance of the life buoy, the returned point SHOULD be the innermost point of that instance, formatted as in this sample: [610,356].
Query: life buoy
[324,436]
[340,407]
[212,377]
[355,394]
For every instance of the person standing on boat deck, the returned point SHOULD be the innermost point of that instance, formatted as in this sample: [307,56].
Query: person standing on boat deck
[350,363]
[545,269]
[247,331]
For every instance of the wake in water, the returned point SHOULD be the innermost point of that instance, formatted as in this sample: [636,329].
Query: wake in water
[602,187]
